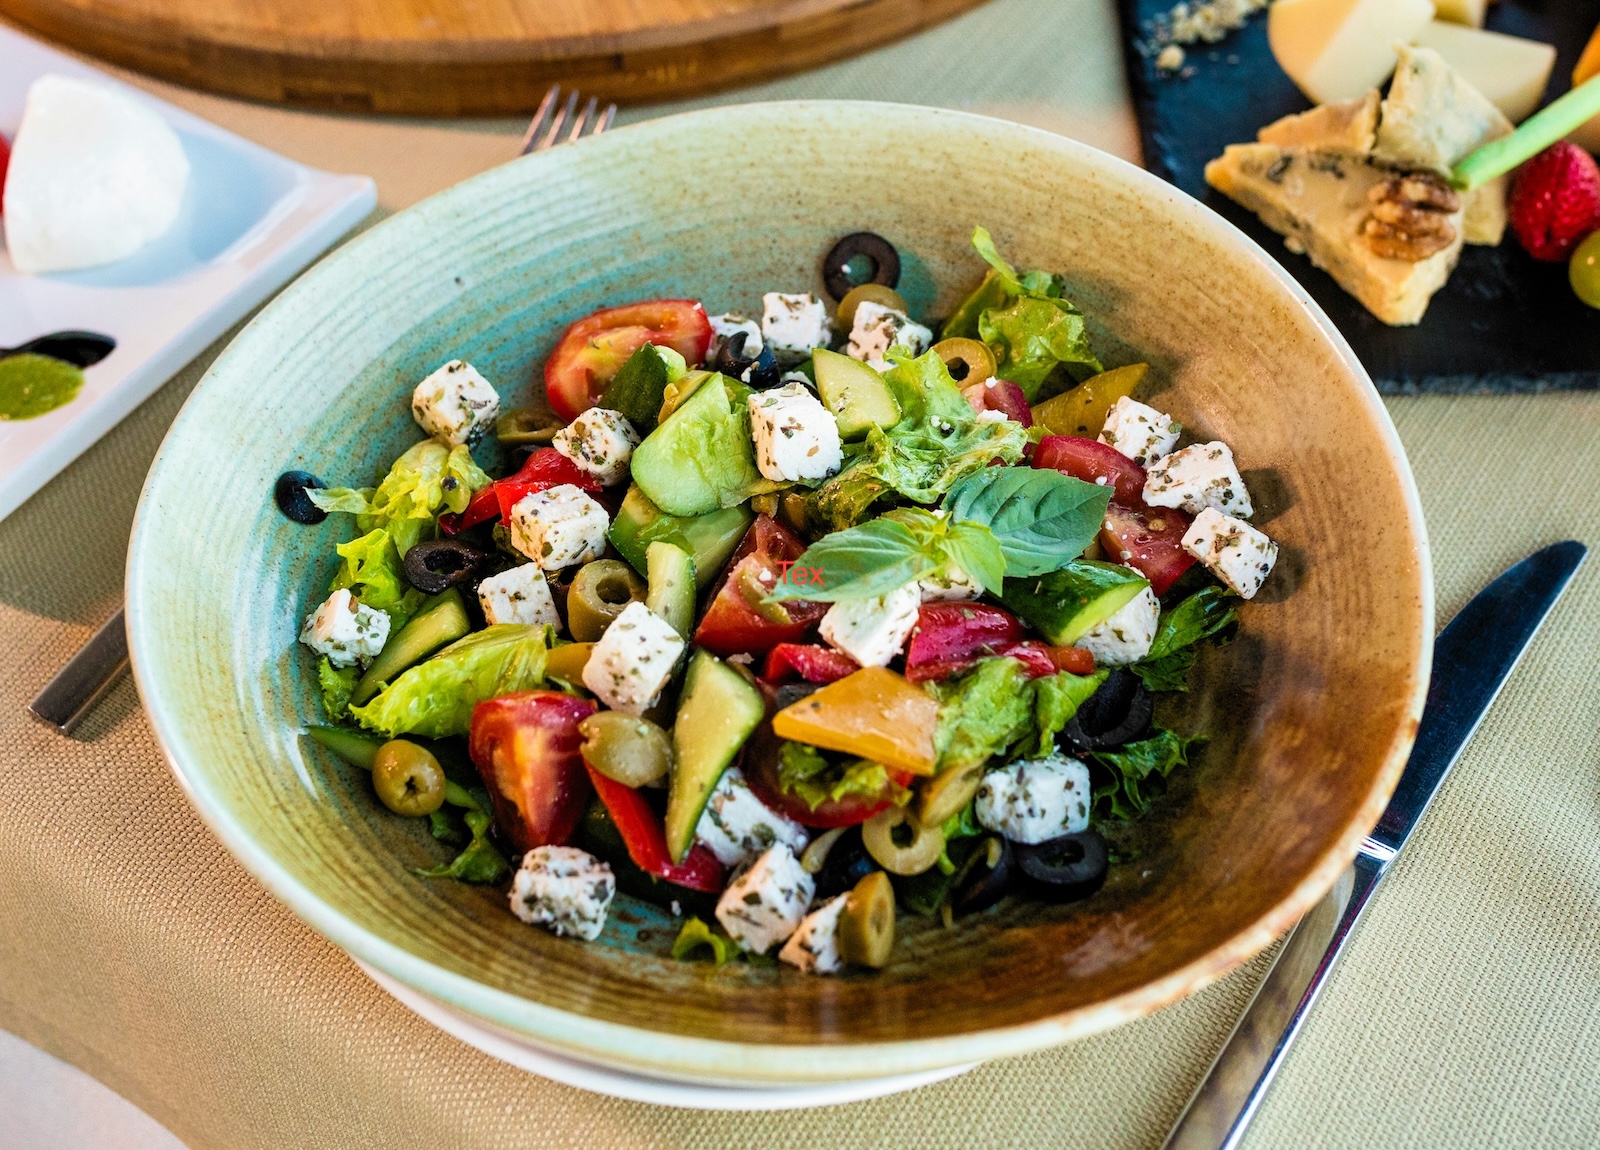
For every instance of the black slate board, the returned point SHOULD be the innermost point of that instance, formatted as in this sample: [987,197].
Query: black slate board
[1505,322]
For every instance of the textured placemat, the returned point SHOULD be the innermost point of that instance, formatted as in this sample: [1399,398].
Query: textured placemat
[1466,1014]
[1504,323]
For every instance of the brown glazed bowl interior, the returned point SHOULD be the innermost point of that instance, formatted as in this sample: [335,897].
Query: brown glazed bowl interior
[1310,712]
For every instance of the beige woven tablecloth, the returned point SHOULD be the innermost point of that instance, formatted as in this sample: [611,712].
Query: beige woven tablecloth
[1467,1013]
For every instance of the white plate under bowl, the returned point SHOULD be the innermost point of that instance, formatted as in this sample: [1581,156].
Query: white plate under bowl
[517,1051]
[251,220]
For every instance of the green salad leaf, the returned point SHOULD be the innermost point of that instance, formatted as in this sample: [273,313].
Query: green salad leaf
[337,683]
[435,698]
[372,571]
[803,771]
[1042,518]
[1056,699]
[480,862]
[426,480]
[1131,767]
[982,714]
[1207,612]
[695,935]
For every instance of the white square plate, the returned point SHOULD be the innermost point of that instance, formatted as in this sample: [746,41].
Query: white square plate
[251,220]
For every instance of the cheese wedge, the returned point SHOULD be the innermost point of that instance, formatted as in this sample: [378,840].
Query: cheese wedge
[1347,126]
[1432,117]
[1318,203]
[1469,12]
[1511,71]
[1337,49]
[1588,67]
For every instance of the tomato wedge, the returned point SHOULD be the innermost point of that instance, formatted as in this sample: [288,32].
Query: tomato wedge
[1093,462]
[1148,539]
[737,621]
[593,350]
[526,748]
[1040,659]
[809,661]
[1002,396]
[644,834]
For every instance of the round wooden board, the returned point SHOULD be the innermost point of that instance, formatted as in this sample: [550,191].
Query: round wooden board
[489,57]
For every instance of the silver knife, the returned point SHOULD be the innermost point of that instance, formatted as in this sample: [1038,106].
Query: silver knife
[1472,659]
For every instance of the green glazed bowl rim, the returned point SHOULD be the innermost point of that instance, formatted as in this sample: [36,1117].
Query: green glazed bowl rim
[701,1059]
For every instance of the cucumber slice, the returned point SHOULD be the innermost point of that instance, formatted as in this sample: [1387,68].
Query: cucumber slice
[857,395]
[670,573]
[355,747]
[719,711]
[442,619]
[709,539]
[639,386]
[1067,604]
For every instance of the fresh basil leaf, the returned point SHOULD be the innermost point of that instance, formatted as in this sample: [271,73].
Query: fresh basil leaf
[860,563]
[974,548]
[1042,518]
[1203,614]
[1132,766]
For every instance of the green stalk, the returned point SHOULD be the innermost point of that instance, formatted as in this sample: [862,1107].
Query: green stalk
[1537,133]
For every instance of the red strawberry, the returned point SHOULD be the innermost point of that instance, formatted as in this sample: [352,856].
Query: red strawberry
[1555,202]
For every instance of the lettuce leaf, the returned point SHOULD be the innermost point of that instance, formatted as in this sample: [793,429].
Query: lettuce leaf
[435,698]
[337,683]
[1131,766]
[480,862]
[803,771]
[1056,699]
[1207,612]
[426,480]
[372,571]
[983,714]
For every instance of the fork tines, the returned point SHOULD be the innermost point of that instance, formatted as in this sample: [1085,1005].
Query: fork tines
[545,129]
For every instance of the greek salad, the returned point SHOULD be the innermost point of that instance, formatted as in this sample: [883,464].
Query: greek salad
[788,623]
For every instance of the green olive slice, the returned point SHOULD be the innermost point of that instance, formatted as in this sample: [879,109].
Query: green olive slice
[947,794]
[633,751]
[523,425]
[974,355]
[899,843]
[866,926]
[868,293]
[408,779]
[599,593]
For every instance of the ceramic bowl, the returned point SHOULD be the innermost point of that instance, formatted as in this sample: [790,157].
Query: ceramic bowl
[1310,712]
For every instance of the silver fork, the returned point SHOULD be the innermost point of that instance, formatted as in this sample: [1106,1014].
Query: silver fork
[72,693]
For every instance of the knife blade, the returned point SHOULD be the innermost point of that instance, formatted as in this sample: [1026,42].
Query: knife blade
[1472,659]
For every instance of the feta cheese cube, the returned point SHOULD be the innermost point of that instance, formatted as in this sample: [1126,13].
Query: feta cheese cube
[795,436]
[600,442]
[877,328]
[725,327]
[345,630]
[454,402]
[948,583]
[1232,550]
[565,890]
[1035,800]
[872,631]
[1126,636]
[736,826]
[559,526]
[1139,431]
[519,595]
[814,947]
[1201,475]
[633,660]
[764,905]
[793,326]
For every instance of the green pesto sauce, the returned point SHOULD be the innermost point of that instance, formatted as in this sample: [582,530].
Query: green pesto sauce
[31,385]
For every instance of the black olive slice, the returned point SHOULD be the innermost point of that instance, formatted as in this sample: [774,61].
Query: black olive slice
[880,252]
[983,885]
[729,358]
[847,864]
[433,566]
[289,492]
[1119,712]
[1067,868]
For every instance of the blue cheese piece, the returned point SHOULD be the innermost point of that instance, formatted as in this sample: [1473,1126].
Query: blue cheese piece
[565,890]
[558,527]
[737,827]
[520,595]
[454,402]
[1126,636]
[1199,476]
[764,905]
[814,947]
[345,630]
[1035,800]
[725,327]
[877,328]
[633,660]
[872,631]
[600,442]
[1139,431]
[795,436]
[949,583]
[793,326]
[1232,550]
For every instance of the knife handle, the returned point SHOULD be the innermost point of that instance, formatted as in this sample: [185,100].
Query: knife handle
[1221,1109]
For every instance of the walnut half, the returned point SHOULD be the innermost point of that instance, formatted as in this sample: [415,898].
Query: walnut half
[1410,217]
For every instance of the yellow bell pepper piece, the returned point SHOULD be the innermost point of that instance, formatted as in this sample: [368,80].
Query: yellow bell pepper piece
[873,713]
[1082,411]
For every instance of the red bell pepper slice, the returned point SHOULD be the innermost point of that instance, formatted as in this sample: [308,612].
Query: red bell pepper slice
[645,836]
[809,661]
[1092,462]
[1148,539]
[526,747]
[737,621]
[5,163]
[593,350]
[1040,659]
[544,469]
